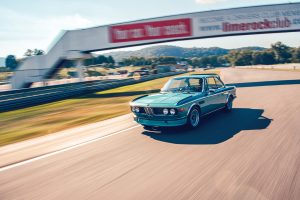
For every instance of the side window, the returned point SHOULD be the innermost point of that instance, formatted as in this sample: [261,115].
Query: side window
[219,84]
[211,83]
[196,84]
[193,81]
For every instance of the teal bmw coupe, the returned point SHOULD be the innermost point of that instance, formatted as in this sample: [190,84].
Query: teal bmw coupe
[183,101]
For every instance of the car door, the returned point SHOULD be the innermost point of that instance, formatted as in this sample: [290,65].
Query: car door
[211,100]
[197,85]
[221,94]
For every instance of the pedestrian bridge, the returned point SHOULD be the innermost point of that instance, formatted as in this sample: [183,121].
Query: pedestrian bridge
[77,44]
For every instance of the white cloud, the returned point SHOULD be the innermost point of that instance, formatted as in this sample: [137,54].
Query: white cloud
[209,1]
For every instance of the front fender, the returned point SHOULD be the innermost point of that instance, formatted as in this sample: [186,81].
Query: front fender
[185,100]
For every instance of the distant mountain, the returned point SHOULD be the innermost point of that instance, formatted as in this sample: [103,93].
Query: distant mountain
[167,50]
[2,62]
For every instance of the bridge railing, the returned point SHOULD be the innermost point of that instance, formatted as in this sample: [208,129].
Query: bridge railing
[15,99]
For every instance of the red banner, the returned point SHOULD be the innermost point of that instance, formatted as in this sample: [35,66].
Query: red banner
[151,30]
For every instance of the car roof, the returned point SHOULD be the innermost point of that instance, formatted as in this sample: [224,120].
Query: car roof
[199,76]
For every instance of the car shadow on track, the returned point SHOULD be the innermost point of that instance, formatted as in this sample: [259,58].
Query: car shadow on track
[215,128]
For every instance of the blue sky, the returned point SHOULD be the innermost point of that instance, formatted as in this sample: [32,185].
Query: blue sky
[35,24]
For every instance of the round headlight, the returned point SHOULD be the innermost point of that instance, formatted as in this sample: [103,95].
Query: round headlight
[172,111]
[137,109]
[165,111]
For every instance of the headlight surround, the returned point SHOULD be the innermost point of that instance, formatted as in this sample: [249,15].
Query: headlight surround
[165,111]
[172,111]
[135,109]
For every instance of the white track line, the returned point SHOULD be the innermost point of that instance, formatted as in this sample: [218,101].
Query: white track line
[24,162]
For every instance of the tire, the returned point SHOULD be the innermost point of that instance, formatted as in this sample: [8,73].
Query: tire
[148,128]
[229,105]
[193,120]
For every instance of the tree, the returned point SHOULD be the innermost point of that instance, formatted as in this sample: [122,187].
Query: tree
[240,58]
[282,52]
[268,57]
[38,52]
[231,57]
[35,52]
[89,61]
[28,53]
[296,55]
[257,57]
[195,62]
[263,57]
[204,61]
[111,60]
[167,60]
[244,58]
[223,61]
[101,59]
[139,61]
[213,60]
[11,62]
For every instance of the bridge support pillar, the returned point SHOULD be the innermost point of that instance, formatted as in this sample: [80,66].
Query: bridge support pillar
[78,57]
[80,72]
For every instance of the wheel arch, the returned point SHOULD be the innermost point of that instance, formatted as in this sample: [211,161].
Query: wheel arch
[194,105]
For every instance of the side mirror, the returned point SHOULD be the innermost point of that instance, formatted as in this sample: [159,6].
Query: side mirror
[211,90]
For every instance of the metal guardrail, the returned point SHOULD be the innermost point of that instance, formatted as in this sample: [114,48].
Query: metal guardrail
[16,99]
[4,82]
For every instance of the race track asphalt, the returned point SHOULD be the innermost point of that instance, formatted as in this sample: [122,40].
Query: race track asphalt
[251,153]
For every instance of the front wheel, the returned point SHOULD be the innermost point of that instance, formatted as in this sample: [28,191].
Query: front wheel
[148,128]
[193,120]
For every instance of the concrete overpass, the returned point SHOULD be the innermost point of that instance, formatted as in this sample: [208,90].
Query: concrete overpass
[77,44]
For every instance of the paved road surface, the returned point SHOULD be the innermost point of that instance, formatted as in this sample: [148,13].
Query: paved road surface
[251,153]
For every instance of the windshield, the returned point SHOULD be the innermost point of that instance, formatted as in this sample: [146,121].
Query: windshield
[183,85]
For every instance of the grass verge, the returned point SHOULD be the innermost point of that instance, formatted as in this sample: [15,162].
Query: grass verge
[49,118]
[4,75]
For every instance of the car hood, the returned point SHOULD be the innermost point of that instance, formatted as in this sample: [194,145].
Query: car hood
[171,99]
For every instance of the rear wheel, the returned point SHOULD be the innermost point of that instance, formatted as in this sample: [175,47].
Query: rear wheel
[193,120]
[229,104]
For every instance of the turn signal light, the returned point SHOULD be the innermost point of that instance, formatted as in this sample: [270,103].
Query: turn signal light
[181,109]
